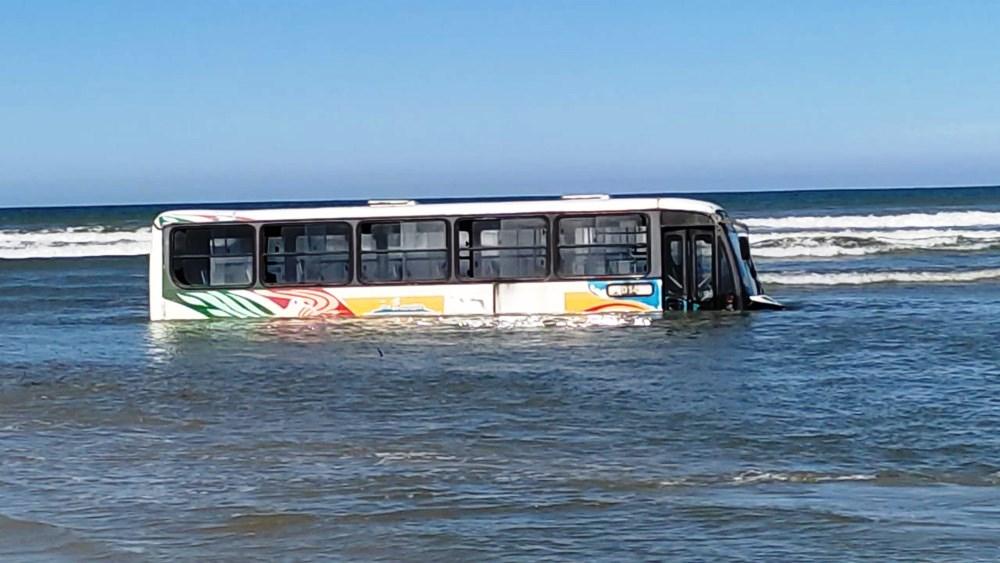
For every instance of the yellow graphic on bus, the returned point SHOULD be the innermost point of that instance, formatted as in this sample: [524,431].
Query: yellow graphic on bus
[405,305]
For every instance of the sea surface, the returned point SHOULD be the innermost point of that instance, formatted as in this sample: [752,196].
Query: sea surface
[863,423]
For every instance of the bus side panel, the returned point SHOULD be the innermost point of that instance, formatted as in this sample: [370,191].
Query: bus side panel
[464,299]
[173,311]
[339,302]
[580,297]
[617,296]
[534,298]
[530,298]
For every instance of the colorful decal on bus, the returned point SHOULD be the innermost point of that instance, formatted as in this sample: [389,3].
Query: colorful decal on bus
[302,303]
[307,303]
[638,296]
[403,305]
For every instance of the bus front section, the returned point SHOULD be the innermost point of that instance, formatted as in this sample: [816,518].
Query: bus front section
[753,292]
[707,265]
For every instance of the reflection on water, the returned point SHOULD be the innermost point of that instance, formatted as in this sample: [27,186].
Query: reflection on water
[309,329]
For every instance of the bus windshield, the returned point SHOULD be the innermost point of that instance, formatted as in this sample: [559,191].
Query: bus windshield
[741,247]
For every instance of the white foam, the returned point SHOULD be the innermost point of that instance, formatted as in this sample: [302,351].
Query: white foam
[754,476]
[73,242]
[906,220]
[899,235]
[833,250]
[852,242]
[864,278]
[390,457]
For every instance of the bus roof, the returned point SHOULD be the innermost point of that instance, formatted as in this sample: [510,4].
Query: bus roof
[376,209]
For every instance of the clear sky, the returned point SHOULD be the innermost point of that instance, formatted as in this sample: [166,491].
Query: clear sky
[175,101]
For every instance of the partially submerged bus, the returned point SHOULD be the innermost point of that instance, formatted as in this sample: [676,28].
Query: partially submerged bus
[560,256]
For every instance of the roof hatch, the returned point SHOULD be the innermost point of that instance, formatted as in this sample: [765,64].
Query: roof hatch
[586,196]
[391,202]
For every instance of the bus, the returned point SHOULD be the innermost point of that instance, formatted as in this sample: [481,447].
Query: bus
[569,255]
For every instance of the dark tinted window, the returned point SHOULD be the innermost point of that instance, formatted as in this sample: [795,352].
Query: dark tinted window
[212,256]
[404,251]
[745,265]
[727,285]
[314,253]
[673,267]
[505,248]
[603,245]
[703,266]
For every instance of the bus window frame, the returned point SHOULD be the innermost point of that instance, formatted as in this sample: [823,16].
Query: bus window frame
[557,260]
[262,253]
[169,255]
[457,259]
[449,274]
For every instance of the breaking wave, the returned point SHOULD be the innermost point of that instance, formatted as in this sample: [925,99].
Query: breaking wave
[893,236]
[772,237]
[832,236]
[851,242]
[907,220]
[864,278]
[73,242]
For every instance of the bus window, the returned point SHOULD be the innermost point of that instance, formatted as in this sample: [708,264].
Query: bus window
[747,275]
[505,248]
[202,257]
[603,245]
[703,258]
[400,251]
[674,286]
[311,253]
[727,285]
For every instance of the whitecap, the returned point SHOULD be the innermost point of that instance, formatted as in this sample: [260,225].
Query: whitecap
[897,221]
[73,242]
[864,278]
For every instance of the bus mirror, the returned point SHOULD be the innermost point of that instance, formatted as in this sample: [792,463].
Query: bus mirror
[745,248]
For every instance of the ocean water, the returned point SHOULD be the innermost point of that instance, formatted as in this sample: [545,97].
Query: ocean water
[863,423]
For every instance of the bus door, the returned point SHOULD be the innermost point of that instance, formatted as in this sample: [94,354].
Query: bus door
[689,269]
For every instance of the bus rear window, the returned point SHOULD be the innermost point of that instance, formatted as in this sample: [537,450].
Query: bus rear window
[203,257]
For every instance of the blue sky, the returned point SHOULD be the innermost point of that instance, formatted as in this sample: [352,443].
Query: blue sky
[104,102]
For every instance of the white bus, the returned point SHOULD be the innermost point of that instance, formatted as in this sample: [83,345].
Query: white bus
[558,256]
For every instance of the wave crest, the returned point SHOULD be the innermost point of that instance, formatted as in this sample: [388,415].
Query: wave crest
[783,237]
[73,242]
[852,242]
[898,221]
[865,278]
